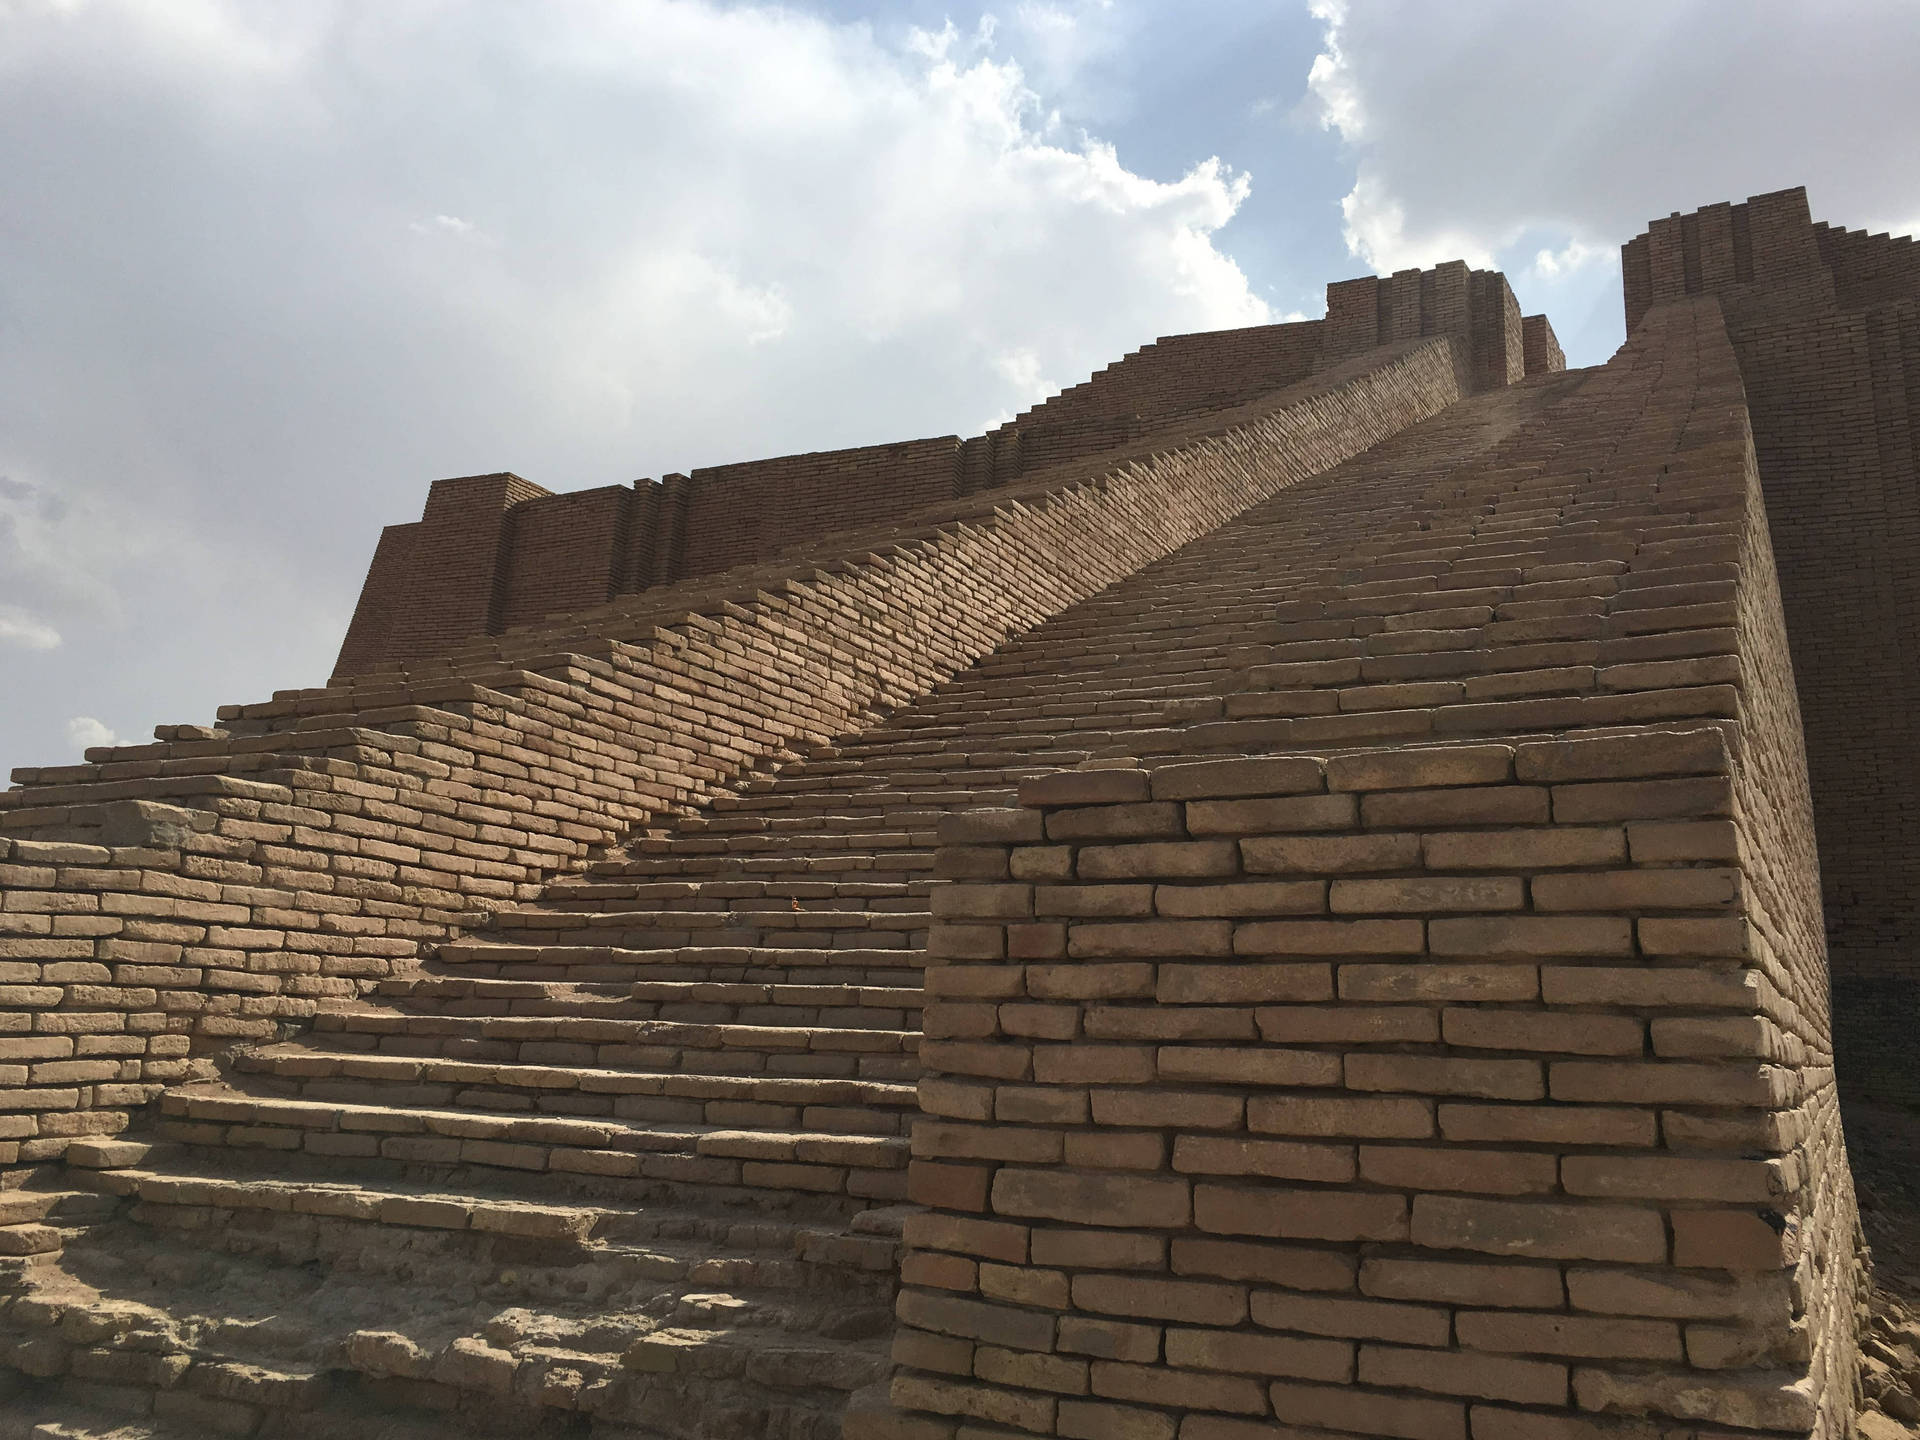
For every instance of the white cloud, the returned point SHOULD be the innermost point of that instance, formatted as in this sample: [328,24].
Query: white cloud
[585,241]
[1497,129]
[84,733]
[1569,259]
[18,627]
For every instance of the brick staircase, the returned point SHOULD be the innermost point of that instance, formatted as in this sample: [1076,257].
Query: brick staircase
[655,1124]
[637,1151]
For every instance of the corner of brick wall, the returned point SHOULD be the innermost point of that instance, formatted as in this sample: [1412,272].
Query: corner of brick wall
[1426,1093]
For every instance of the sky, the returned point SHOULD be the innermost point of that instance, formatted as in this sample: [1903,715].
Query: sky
[267,270]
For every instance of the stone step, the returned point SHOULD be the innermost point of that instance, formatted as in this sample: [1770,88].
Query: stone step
[827,1105]
[640,1041]
[215,1116]
[890,966]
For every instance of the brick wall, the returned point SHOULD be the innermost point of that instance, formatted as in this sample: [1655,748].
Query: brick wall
[1826,324]
[737,514]
[163,900]
[1471,1088]
[562,552]
[1178,376]
[1285,1089]
[431,587]
[1542,347]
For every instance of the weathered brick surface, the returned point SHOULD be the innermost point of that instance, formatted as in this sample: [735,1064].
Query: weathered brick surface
[1542,1084]
[1382,991]
[1825,325]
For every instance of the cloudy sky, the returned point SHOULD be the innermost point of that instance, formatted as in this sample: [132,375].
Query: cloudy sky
[268,268]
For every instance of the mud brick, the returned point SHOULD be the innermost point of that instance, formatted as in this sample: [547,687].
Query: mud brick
[1696,752]
[980,1402]
[1447,1075]
[921,1351]
[1080,901]
[1085,787]
[955,1140]
[1100,1249]
[1297,1267]
[1212,1022]
[1754,1401]
[1575,1034]
[1530,935]
[1092,1199]
[1083,1064]
[1347,1024]
[1421,769]
[972,862]
[1673,1177]
[991,827]
[1549,1124]
[975,1320]
[1038,863]
[1157,939]
[1438,809]
[1092,1420]
[1457,1282]
[1152,820]
[1369,1412]
[1426,980]
[1278,1159]
[1691,987]
[1368,1118]
[1298,1214]
[1524,850]
[1684,889]
[1090,982]
[1352,1319]
[1271,816]
[1040,1105]
[1192,1302]
[1328,854]
[1210,779]
[1109,1339]
[1538,1229]
[1654,842]
[1641,800]
[1259,897]
[986,1239]
[1484,1172]
[1243,984]
[971,901]
[1161,860]
[1266,1355]
[1730,1240]
[934,1271]
[1183,1389]
[1029,1371]
[1159,1109]
[1657,1083]
[1330,937]
[1248,1066]
[1422,895]
[1574,1336]
[1486,1377]
[1672,1294]
[1728,936]
[954,1187]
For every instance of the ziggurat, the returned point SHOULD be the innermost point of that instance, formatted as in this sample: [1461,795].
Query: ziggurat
[1288,893]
